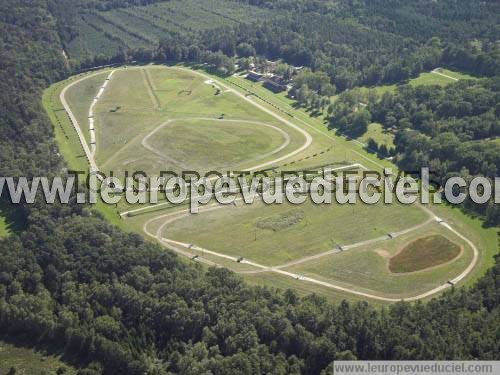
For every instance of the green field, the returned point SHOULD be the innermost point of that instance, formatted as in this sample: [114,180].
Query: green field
[29,361]
[215,145]
[154,118]
[367,267]
[321,228]
[435,79]
[376,131]
[378,134]
[427,78]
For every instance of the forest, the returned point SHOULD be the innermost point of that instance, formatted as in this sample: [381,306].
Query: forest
[452,130]
[111,302]
[355,43]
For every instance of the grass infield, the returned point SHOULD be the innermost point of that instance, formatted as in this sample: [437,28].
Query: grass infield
[210,125]
[29,361]
[279,233]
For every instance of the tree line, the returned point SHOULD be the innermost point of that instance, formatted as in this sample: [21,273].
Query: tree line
[111,302]
[453,130]
[360,43]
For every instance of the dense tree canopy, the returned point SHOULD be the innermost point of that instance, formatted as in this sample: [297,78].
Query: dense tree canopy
[354,42]
[118,304]
[452,130]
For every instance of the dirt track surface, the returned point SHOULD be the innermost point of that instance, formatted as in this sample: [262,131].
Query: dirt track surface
[183,248]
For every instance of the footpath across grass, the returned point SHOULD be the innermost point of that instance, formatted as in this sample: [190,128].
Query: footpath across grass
[426,78]
[255,233]
[279,233]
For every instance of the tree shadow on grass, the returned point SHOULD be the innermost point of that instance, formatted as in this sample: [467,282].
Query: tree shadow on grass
[24,341]
[14,216]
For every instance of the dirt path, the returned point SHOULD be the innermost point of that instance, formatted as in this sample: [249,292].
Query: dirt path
[356,245]
[436,71]
[307,136]
[150,89]
[145,141]
[263,268]
[176,246]
[93,142]
[76,126]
